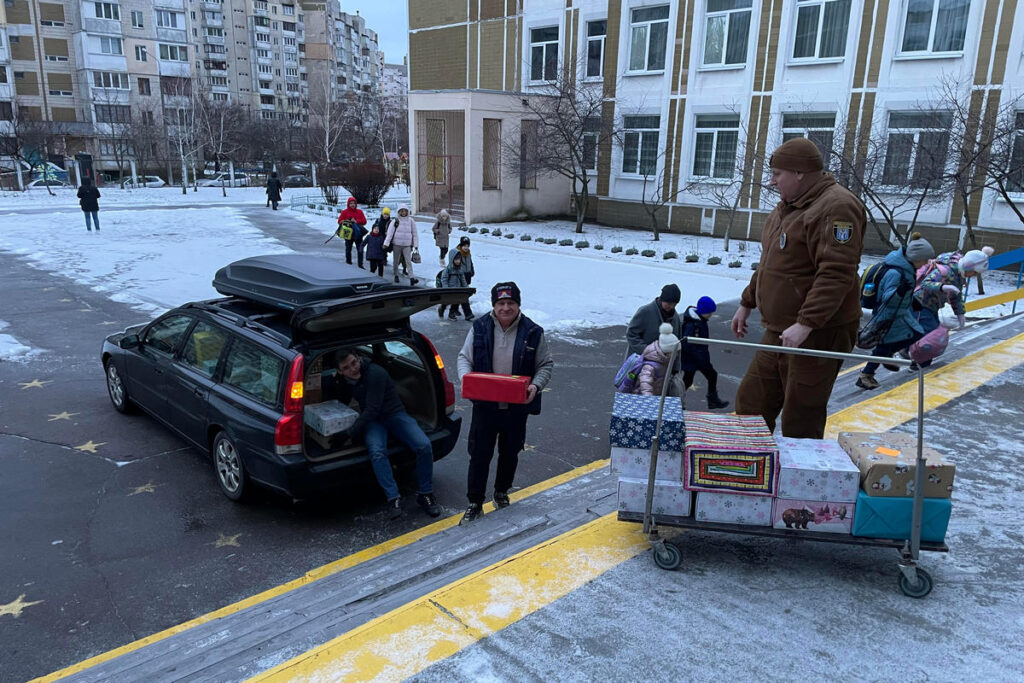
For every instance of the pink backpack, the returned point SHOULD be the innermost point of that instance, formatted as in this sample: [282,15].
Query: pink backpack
[930,346]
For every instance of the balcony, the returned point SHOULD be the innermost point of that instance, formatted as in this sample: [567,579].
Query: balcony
[290,48]
[172,35]
[264,60]
[107,27]
[213,40]
[109,95]
[5,56]
[168,68]
[267,107]
[267,91]
[5,91]
[102,62]
[171,4]
[207,21]
[214,6]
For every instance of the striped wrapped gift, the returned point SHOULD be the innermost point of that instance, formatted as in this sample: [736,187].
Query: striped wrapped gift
[729,454]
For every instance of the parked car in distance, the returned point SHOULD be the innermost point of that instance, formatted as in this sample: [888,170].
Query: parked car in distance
[234,376]
[298,180]
[145,181]
[216,180]
[54,185]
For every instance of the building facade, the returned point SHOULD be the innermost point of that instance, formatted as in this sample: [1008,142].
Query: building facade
[695,87]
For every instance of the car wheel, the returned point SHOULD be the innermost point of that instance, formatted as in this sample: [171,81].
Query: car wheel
[227,463]
[116,389]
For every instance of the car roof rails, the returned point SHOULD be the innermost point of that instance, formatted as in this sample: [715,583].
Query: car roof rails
[215,306]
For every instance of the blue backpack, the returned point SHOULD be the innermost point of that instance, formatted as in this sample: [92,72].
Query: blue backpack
[629,374]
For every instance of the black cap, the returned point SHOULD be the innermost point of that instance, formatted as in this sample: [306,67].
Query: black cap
[505,290]
[671,294]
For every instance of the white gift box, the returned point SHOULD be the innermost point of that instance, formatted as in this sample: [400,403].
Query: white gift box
[670,498]
[734,508]
[329,417]
[636,462]
[816,469]
[814,516]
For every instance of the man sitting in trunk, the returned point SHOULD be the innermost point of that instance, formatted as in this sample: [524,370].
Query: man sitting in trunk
[381,414]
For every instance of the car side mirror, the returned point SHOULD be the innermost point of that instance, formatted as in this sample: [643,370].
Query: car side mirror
[129,341]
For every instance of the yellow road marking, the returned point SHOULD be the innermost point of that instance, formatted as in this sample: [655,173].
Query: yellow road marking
[405,641]
[994,300]
[315,575]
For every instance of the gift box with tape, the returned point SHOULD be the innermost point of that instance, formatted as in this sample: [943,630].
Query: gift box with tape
[888,517]
[814,515]
[489,386]
[816,469]
[635,462]
[635,417]
[670,498]
[329,417]
[733,508]
[888,464]
[734,453]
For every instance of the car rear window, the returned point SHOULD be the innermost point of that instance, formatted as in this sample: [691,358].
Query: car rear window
[203,348]
[253,371]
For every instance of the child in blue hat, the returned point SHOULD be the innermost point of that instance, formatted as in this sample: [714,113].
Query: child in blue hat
[697,357]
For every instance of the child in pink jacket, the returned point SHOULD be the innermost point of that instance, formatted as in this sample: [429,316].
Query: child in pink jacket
[656,357]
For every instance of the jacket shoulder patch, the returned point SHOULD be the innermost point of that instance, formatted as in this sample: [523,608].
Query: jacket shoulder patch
[842,231]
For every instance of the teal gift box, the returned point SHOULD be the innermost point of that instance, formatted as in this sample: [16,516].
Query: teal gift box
[878,517]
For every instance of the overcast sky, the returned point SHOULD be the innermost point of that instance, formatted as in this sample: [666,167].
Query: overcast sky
[390,19]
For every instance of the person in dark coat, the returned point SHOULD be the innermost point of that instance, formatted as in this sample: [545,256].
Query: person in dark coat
[454,275]
[274,189]
[697,357]
[88,196]
[643,327]
[374,243]
[382,414]
[354,217]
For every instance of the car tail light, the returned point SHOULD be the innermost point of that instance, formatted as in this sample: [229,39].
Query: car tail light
[449,388]
[294,388]
[288,432]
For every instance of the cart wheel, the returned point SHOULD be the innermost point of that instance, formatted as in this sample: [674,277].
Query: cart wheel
[669,557]
[916,590]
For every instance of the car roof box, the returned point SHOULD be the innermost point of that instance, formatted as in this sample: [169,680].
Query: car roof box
[288,281]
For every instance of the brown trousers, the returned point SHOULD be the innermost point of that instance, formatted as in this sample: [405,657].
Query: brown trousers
[797,386]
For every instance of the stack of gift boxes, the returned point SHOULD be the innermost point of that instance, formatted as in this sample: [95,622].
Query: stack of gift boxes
[740,474]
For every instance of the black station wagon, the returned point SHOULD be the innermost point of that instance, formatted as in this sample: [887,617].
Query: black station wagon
[233,375]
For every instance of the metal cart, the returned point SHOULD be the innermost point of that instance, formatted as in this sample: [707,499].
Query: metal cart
[914,581]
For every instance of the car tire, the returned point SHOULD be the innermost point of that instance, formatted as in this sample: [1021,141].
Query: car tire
[229,469]
[116,389]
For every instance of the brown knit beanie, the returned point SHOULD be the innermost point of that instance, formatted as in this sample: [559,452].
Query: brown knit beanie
[799,155]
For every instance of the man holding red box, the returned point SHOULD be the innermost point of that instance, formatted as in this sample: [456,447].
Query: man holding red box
[505,342]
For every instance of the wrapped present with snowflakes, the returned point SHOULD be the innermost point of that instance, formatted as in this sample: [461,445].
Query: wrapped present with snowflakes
[636,462]
[733,508]
[635,418]
[816,469]
[670,499]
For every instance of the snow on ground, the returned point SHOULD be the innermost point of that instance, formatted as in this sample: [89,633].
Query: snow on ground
[11,348]
[153,260]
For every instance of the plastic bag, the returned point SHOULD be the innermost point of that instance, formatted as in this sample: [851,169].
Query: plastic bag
[416,256]
[930,346]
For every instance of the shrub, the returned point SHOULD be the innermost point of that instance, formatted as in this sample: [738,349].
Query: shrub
[368,182]
[525,238]
[754,265]
[497,232]
[669,255]
[714,260]
[484,231]
[509,236]
[616,249]
[582,244]
[692,258]
[564,243]
[463,228]
[735,264]
[599,247]
[312,207]
[472,229]
[649,253]
[552,240]
[632,251]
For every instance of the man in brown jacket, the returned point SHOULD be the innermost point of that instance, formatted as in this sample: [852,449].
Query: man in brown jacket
[806,291]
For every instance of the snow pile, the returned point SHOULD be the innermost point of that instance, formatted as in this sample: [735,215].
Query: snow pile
[11,348]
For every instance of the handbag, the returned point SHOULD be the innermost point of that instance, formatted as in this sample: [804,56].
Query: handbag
[871,335]
[930,346]
[416,256]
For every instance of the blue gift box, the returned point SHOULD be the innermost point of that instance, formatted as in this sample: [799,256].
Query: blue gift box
[878,517]
[635,417]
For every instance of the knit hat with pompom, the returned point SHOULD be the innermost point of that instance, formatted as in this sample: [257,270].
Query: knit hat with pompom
[976,260]
[666,340]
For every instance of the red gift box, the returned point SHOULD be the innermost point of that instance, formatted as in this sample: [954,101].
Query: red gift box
[486,386]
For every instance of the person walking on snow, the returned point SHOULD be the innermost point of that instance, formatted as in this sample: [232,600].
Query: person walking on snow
[442,230]
[651,379]
[454,275]
[645,323]
[88,196]
[894,316]
[355,218]
[274,189]
[467,260]
[402,237]
[697,357]
[374,243]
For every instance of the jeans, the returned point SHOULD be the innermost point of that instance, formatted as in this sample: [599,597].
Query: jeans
[888,350]
[359,251]
[404,428]
[95,215]
[466,310]
[489,425]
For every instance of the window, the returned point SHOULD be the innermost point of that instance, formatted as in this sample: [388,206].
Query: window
[648,36]
[110,46]
[917,146]
[166,335]
[56,58]
[591,133]
[144,87]
[107,79]
[544,54]
[165,19]
[935,25]
[113,113]
[262,37]
[218,80]
[253,371]
[179,116]
[265,69]
[528,154]
[821,29]
[261,21]
[640,144]
[1015,173]
[107,10]
[492,154]
[288,10]
[203,348]
[726,32]
[291,71]
[137,19]
[596,31]
[266,99]
[140,53]
[818,128]
[147,118]
[6,111]
[714,153]
[219,32]
[289,41]
[174,53]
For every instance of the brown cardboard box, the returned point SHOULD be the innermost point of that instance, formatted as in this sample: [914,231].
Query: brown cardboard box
[887,463]
[324,441]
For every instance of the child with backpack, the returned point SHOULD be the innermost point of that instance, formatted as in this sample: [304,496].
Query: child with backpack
[697,357]
[454,275]
[374,243]
[645,373]
[894,325]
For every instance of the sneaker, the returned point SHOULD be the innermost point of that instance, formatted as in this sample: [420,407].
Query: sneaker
[501,499]
[866,381]
[394,508]
[472,512]
[714,402]
[914,367]
[452,316]
[413,281]
[440,313]
[470,317]
[396,279]
[429,504]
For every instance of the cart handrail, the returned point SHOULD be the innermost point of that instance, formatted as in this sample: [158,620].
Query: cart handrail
[795,351]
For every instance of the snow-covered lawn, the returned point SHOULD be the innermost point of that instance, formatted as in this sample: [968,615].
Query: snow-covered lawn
[11,348]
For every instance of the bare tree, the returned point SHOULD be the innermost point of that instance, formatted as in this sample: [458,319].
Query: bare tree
[114,122]
[34,140]
[325,117]
[1004,171]
[219,126]
[145,134]
[182,124]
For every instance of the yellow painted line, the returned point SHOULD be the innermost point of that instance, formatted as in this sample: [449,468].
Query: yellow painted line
[894,407]
[994,300]
[315,575]
[405,641]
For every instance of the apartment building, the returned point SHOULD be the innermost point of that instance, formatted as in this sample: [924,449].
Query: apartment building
[6,88]
[695,85]
[395,80]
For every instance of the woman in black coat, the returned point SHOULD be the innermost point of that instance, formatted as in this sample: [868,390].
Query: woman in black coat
[88,196]
[274,189]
